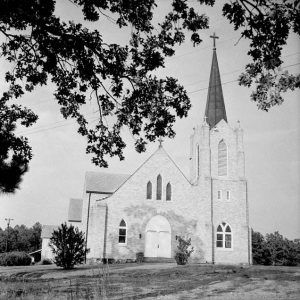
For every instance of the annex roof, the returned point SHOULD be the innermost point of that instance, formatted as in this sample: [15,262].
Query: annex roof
[75,210]
[104,183]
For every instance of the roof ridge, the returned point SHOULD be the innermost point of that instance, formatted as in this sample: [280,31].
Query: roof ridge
[101,172]
[176,165]
[158,149]
[138,168]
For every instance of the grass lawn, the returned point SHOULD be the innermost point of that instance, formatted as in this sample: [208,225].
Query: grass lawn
[150,281]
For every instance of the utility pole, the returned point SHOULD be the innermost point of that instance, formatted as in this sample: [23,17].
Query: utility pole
[7,236]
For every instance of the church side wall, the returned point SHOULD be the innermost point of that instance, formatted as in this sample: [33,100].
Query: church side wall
[96,230]
[195,209]
[232,211]
[46,250]
[186,212]
[93,199]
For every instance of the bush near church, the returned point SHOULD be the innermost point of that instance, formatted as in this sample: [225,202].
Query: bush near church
[68,245]
[15,258]
[184,251]
[274,249]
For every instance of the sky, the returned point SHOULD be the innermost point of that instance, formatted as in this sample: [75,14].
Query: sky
[271,139]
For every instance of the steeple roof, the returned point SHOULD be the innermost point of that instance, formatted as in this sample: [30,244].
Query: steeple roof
[215,106]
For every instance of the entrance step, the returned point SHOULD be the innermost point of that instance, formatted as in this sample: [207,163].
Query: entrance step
[159,260]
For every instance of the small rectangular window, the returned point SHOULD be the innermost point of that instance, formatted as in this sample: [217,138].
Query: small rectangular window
[122,239]
[122,236]
[219,195]
[227,240]
[220,244]
[227,195]
[122,232]
[220,240]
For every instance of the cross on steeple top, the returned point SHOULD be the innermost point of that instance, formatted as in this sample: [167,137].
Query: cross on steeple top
[214,37]
[160,142]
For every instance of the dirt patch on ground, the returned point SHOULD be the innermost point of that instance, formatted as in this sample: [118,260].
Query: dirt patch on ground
[150,281]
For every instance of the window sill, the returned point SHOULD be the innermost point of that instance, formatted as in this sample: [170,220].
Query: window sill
[122,244]
[224,249]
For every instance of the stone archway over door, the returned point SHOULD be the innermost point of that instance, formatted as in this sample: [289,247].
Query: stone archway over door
[158,238]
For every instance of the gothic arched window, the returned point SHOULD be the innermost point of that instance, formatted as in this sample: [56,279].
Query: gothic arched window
[168,192]
[222,159]
[149,190]
[158,187]
[122,232]
[224,236]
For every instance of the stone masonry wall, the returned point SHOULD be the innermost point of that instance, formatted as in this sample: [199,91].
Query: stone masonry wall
[232,211]
[187,212]
[194,211]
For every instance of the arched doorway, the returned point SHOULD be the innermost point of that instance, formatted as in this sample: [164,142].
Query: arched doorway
[158,238]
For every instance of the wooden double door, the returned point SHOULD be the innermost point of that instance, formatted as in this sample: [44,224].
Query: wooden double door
[158,238]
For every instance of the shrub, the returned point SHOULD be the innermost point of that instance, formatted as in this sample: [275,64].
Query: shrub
[15,258]
[184,251]
[46,261]
[274,249]
[68,245]
[260,253]
[108,261]
[139,257]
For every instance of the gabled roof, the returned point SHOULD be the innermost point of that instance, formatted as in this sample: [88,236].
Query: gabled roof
[104,183]
[75,210]
[215,106]
[160,148]
[47,230]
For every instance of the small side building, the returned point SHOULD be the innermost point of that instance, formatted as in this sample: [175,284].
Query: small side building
[46,234]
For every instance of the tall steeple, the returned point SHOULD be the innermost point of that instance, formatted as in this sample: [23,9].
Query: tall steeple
[215,106]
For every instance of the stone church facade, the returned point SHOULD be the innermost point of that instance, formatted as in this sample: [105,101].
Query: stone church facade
[146,211]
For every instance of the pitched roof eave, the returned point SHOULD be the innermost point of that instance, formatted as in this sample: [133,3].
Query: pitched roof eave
[159,149]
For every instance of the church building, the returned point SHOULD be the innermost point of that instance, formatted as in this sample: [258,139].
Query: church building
[123,214]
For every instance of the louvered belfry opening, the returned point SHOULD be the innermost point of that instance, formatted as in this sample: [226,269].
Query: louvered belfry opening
[222,159]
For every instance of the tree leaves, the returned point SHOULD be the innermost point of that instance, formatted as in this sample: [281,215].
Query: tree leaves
[273,249]
[15,152]
[266,24]
[120,79]
[117,78]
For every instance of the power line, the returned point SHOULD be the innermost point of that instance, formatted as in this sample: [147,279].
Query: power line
[198,81]
[237,70]
[93,119]
[51,127]
[206,88]
[197,50]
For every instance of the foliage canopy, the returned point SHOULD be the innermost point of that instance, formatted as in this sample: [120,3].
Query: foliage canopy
[120,79]
[274,249]
[68,245]
[21,238]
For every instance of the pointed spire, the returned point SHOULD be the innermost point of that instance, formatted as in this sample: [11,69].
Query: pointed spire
[215,106]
